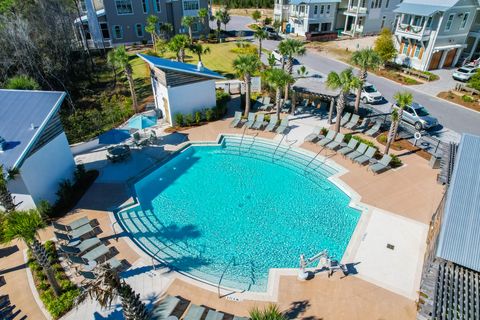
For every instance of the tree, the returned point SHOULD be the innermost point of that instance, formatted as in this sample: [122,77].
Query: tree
[256,15]
[267,21]
[178,44]
[187,22]
[272,61]
[345,81]
[245,66]
[6,199]
[151,27]
[260,35]
[290,48]
[24,226]
[107,287]
[166,29]
[474,81]
[22,82]
[302,72]
[277,24]
[277,79]
[365,60]
[119,58]
[271,312]
[225,17]
[203,16]
[402,99]
[384,46]
[199,50]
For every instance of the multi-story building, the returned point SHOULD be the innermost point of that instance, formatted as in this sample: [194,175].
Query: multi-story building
[367,17]
[113,22]
[432,34]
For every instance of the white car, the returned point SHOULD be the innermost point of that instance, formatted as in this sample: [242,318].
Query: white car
[370,94]
[464,73]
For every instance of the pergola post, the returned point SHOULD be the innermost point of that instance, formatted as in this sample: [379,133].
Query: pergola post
[330,110]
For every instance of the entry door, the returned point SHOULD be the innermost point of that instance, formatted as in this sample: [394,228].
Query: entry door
[436,57]
[449,59]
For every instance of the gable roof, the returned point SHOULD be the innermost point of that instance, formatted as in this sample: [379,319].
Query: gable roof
[179,67]
[23,116]
[459,239]
[424,7]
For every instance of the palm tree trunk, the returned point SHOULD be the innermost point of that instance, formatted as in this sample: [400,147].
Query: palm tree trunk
[391,135]
[289,67]
[277,101]
[154,43]
[259,48]
[330,111]
[182,55]
[362,76]
[248,83]
[128,72]
[190,34]
[340,107]
[41,255]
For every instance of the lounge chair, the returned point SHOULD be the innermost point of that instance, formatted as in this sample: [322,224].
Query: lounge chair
[83,246]
[287,105]
[72,225]
[266,105]
[353,121]
[96,253]
[302,107]
[283,126]
[80,232]
[236,120]
[166,307]
[250,120]
[214,315]
[329,138]
[382,165]
[336,142]
[367,156]
[258,103]
[259,122]
[239,318]
[345,118]
[114,263]
[352,144]
[362,147]
[374,129]
[363,125]
[314,136]
[194,312]
[272,124]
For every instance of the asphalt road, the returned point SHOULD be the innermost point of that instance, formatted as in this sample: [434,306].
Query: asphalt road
[450,116]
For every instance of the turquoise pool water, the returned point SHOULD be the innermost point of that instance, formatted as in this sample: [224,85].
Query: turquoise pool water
[229,213]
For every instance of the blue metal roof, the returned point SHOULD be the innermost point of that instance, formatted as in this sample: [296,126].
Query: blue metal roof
[20,110]
[420,9]
[297,2]
[459,239]
[180,67]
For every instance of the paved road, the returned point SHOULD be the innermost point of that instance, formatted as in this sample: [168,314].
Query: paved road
[450,115]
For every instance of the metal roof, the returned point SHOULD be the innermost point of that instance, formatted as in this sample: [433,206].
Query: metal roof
[420,9]
[180,67]
[459,239]
[23,116]
[297,2]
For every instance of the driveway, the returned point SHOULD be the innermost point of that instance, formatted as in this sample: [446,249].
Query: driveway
[445,83]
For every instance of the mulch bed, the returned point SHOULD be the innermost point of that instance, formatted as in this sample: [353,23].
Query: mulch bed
[457,98]
[405,145]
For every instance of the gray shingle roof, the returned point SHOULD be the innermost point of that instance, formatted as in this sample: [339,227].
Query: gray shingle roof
[459,239]
[20,110]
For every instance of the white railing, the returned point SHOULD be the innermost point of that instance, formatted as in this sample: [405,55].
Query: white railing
[355,9]
[418,31]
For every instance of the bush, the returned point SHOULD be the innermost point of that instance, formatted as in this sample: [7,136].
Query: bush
[188,119]
[467,98]
[198,117]
[178,119]
[324,131]
[395,162]
[244,48]
[267,21]
[474,81]
[382,139]
[209,114]
[211,37]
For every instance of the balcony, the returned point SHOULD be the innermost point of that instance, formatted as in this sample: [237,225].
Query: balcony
[413,32]
[355,10]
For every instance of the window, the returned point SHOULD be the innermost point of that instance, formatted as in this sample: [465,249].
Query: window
[406,19]
[157,5]
[379,4]
[104,29]
[373,3]
[418,21]
[139,30]
[302,9]
[417,50]
[429,22]
[328,9]
[387,3]
[145,6]
[117,32]
[83,6]
[448,25]
[189,5]
[322,9]
[315,9]
[465,20]
[124,6]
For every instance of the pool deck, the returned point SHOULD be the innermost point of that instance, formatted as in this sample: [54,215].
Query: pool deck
[400,204]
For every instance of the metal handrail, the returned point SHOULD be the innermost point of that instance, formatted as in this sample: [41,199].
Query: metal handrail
[221,277]
[318,153]
[241,140]
[291,143]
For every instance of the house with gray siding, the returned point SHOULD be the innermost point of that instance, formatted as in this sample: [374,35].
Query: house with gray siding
[123,21]
[432,34]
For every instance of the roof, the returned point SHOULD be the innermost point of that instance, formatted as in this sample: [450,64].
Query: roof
[314,82]
[421,9]
[19,111]
[459,239]
[180,67]
[84,18]
[297,2]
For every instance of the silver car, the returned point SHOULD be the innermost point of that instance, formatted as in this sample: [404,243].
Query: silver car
[464,73]
[418,116]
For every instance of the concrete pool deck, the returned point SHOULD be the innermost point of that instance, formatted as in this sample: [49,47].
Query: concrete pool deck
[410,192]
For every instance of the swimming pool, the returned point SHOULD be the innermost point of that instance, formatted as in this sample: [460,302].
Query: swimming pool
[228,213]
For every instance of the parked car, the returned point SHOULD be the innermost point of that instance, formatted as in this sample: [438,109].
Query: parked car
[464,73]
[271,33]
[370,94]
[418,116]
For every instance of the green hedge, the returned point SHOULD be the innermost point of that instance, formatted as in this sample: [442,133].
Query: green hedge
[204,115]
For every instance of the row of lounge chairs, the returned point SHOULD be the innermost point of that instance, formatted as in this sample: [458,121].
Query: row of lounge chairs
[257,122]
[366,126]
[82,250]
[176,307]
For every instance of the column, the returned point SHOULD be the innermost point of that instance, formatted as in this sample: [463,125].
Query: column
[354,28]
[442,60]
[474,47]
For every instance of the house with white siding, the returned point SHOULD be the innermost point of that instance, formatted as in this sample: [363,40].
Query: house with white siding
[312,16]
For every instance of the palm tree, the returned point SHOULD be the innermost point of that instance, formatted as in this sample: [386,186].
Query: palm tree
[261,35]
[271,312]
[225,17]
[203,15]
[218,20]
[345,81]
[272,61]
[277,79]
[178,44]
[6,199]
[107,287]
[290,48]
[151,27]
[199,50]
[245,66]
[24,226]
[403,99]
[365,60]
[119,58]
[187,22]
[166,29]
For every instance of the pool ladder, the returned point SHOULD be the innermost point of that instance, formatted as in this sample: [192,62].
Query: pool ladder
[290,143]
[241,140]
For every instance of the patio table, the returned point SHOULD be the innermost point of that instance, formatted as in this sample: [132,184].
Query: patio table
[96,253]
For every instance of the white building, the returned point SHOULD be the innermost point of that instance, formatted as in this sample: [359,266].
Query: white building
[312,16]
[180,87]
[34,144]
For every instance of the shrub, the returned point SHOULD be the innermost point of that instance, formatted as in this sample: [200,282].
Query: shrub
[188,118]
[244,48]
[209,114]
[267,21]
[395,162]
[382,139]
[202,38]
[409,80]
[178,119]
[211,37]
[467,98]
[324,132]
[22,82]
[45,209]
[198,117]
[384,45]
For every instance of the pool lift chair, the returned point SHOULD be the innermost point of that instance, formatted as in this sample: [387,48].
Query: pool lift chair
[324,262]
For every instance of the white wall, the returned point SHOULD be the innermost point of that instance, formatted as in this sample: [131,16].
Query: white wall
[160,93]
[191,97]
[20,194]
[43,170]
